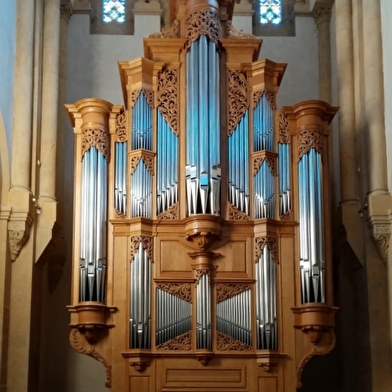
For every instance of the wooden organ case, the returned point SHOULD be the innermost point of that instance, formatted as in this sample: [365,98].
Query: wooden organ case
[202,244]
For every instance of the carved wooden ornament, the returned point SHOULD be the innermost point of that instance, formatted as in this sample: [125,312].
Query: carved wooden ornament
[271,242]
[97,138]
[237,101]
[147,245]
[168,97]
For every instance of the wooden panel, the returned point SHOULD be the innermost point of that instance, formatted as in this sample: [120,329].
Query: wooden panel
[174,257]
[268,384]
[139,384]
[233,258]
[206,378]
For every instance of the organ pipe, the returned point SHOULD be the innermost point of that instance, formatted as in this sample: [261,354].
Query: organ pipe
[202,167]
[93,226]
[311,227]
[203,314]
[266,307]
[140,300]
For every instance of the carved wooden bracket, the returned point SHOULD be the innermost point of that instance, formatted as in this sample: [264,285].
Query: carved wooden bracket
[203,230]
[91,319]
[317,320]
[204,357]
[268,360]
[81,347]
[140,361]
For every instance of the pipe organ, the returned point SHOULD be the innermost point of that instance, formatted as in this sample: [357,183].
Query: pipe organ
[202,244]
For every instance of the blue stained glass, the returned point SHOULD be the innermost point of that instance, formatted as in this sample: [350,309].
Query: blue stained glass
[270,11]
[113,11]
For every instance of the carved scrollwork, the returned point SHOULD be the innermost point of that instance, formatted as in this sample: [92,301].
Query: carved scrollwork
[147,93]
[237,98]
[170,213]
[168,97]
[310,138]
[287,216]
[121,127]
[148,161]
[77,345]
[172,32]
[179,343]
[316,350]
[381,234]
[180,290]
[147,245]
[284,129]
[140,366]
[236,214]
[227,343]
[119,214]
[228,290]
[258,161]
[272,244]
[203,22]
[232,33]
[200,271]
[270,96]
[97,138]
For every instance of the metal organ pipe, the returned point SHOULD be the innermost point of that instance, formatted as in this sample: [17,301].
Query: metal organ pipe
[238,168]
[202,169]
[93,226]
[233,317]
[284,178]
[140,300]
[120,191]
[203,313]
[167,163]
[266,312]
[311,227]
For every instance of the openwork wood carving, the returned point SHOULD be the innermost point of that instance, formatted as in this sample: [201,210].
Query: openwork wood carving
[236,34]
[121,127]
[284,129]
[180,290]
[179,343]
[204,22]
[199,271]
[317,350]
[148,161]
[237,98]
[168,97]
[258,161]
[75,340]
[228,290]
[172,32]
[170,213]
[147,93]
[287,216]
[272,244]
[147,245]
[97,138]
[310,138]
[270,96]
[227,343]
[236,214]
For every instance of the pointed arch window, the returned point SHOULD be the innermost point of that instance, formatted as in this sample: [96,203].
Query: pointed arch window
[270,11]
[113,11]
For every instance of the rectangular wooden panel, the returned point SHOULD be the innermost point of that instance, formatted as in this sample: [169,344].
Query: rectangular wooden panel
[233,258]
[226,379]
[173,257]
[139,384]
[268,384]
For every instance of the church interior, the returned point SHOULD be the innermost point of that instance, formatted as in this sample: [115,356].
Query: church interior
[195,196]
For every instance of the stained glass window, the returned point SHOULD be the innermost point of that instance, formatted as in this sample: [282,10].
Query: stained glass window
[270,11]
[113,11]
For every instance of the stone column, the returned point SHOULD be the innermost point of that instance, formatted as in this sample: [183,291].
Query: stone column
[23,96]
[374,97]
[50,92]
[322,17]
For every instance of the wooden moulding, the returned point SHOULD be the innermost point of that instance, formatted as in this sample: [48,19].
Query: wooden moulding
[267,359]
[91,319]
[203,230]
[314,319]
